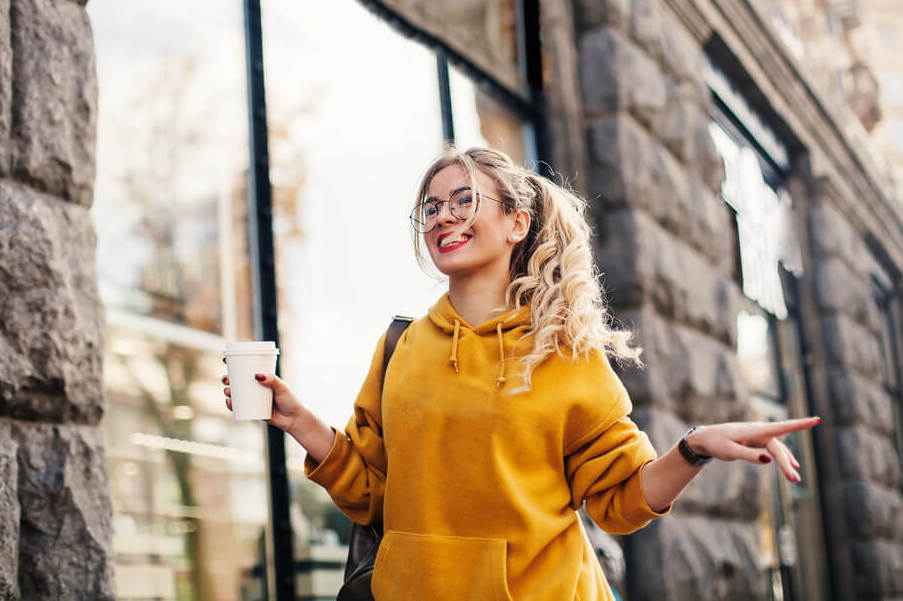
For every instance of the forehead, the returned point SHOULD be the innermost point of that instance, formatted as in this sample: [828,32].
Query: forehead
[454,176]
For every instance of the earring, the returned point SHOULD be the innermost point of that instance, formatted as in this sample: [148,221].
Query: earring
[513,238]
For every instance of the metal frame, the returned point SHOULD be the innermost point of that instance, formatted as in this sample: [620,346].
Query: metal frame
[280,574]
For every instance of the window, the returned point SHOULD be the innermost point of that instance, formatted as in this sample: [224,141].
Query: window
[188,483]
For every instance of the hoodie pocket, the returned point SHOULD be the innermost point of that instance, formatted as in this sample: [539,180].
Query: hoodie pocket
[440,568]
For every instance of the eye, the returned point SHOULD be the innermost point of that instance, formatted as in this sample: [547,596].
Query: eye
[463,201]
[429,209]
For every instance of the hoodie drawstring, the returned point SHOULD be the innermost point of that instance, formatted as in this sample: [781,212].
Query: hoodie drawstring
[454,352]
[501,379]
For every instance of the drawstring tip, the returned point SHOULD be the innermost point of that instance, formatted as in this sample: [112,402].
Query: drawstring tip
[499,381]
[454,363]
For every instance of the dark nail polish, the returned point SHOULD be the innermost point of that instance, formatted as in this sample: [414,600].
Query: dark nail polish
[260,377]
[764,458]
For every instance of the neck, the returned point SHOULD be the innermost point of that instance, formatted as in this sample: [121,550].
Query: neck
[478,299]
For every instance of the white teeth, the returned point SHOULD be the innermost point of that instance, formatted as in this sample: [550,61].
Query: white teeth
[450,241]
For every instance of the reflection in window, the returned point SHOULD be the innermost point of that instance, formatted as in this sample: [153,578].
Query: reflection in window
[188,483]
[756,355]
[482,121]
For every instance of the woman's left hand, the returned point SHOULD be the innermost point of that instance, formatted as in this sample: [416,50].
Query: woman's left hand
[756,442]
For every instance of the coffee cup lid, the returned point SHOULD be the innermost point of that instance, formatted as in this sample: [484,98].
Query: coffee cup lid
[251,346]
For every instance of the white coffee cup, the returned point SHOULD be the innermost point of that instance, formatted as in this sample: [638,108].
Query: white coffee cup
[250,399]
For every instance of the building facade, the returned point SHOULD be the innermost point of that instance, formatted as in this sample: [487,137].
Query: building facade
[746,226]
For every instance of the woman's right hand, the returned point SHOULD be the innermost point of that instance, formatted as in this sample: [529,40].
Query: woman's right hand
[287,409]
[291,416]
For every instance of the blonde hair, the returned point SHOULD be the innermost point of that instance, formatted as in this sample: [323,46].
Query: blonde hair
[552,269]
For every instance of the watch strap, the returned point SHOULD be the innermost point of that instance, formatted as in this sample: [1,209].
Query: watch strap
[692,457]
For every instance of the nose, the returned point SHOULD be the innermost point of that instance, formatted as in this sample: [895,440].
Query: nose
[447,217]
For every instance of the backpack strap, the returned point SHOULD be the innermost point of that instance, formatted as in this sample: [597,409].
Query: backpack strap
[399,324]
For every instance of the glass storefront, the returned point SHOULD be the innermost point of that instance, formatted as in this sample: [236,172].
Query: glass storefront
[188,483]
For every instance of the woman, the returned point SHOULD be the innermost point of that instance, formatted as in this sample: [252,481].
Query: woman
[500,414]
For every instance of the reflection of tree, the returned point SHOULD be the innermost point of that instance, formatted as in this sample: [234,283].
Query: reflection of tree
[175,197]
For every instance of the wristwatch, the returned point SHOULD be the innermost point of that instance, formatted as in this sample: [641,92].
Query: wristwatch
[692,457]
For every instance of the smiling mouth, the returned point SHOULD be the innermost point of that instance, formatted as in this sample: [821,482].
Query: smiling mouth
[448,243]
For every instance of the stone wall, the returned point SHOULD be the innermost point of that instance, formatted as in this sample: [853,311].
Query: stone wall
[665,245]
[55,521]
[866,482]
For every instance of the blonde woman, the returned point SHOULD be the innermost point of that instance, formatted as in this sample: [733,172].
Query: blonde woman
[500,414]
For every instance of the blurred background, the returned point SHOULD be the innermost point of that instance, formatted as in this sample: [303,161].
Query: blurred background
[744,163]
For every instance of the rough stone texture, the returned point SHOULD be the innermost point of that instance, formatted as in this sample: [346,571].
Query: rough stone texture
[641,261]
[866,455]
[700,558]
[632,169]
[589,14]
[6,72]
[859,400]
[54,91]
[831,234]
[616,74]
[873,511]
[839,288]
[851,346]
[66,518]
[9,515]
[878,569]
[52,327]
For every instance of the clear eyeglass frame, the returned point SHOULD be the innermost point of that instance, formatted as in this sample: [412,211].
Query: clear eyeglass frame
[425,216]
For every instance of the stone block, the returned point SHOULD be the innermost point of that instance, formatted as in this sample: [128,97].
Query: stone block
[710,225]
[617,75]
[858,400]
[646,23]
[838,288]
[6,98]
[723,490]
[9,515]
[52,327]
[65,537]
[867,455]
[683,57]
[877,568]
[873,511]
[700,558]
[589,14]
[54,91]
[686,373]
[831,233]
[851,346]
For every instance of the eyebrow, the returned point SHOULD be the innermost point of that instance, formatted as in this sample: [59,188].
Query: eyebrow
[453,192]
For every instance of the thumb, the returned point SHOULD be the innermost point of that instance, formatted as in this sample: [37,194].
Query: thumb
[270,381]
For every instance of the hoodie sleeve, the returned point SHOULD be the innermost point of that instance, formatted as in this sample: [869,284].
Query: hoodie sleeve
[604,465]
[354,470]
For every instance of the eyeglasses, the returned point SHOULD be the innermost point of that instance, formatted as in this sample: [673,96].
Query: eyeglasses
[462,205]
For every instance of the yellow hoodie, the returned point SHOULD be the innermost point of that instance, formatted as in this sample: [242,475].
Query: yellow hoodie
[477,479]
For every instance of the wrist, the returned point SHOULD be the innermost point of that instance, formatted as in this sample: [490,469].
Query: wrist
[692,450]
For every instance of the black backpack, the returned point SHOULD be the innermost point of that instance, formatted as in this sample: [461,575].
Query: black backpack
[365,540]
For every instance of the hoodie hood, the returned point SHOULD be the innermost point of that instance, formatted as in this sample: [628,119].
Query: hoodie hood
[510,331]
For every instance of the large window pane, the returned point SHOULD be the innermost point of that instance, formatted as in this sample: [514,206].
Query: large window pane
[352,127]
[188,482]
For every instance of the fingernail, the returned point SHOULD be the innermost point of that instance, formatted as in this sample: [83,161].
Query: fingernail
[224,379]
[260,377]
[764,458]
[817,420]
[797,478]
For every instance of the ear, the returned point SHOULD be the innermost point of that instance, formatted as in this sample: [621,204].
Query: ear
[520,226]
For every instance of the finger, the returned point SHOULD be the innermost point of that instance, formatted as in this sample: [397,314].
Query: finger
[733,450]
[774,429]
[784,459]
[270,381]
[786,449]
[228,392]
